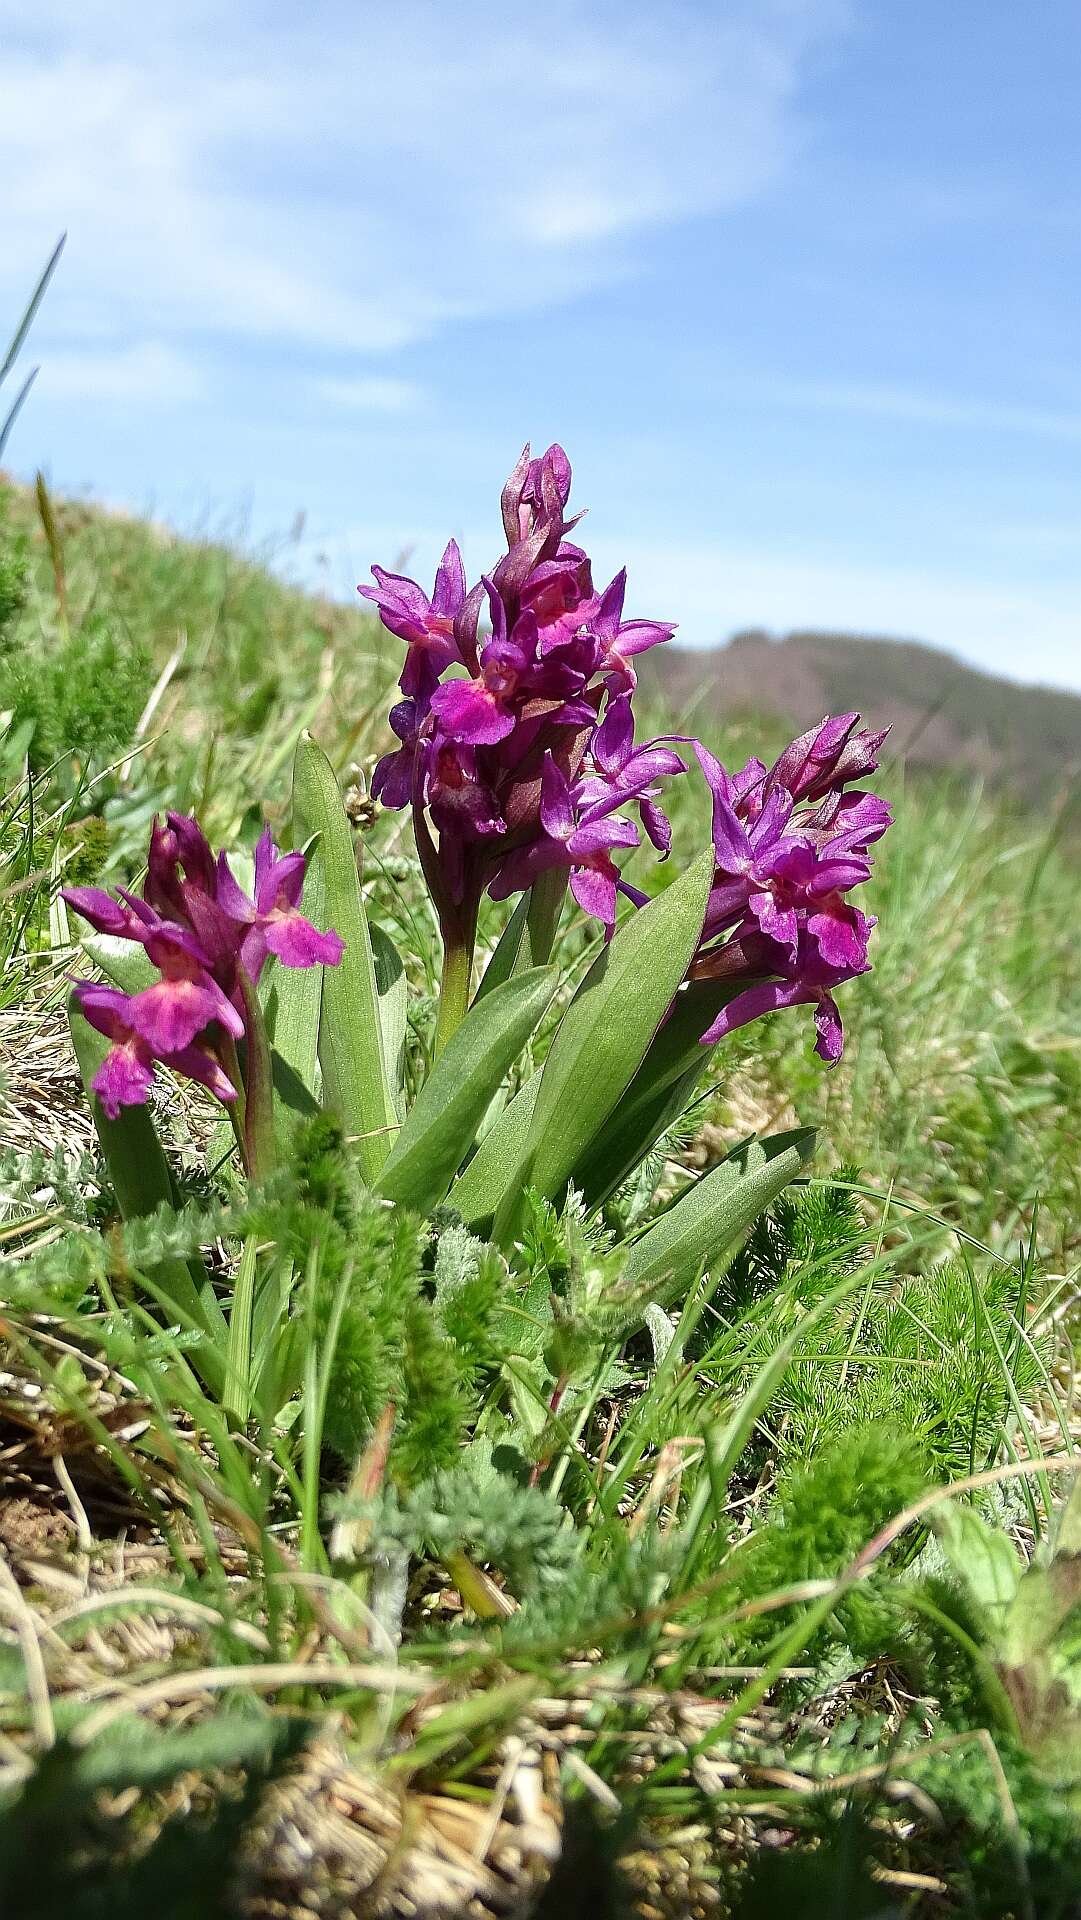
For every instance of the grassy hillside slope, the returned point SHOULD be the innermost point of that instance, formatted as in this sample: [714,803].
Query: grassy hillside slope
[947,715]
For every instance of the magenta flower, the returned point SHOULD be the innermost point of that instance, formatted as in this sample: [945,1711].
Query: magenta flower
[790,846]
[126,1075]
[206,938]
[525,737]
[427,626]
[392,781]
[481,711]
[619,640]
[580,839]
[273,921]
[811,986]
[623,772]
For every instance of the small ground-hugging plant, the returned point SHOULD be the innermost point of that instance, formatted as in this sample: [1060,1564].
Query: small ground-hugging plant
[445,1394]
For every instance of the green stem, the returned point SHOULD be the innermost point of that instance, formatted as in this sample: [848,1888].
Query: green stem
[260,1146]
[453,990]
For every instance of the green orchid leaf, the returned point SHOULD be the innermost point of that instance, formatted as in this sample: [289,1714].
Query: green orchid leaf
[295,999]
[454,1098]
[355,1084]
[709,1223]
[606,1031]
[508,950]
[674,1065]
[478,1191]
[392,989]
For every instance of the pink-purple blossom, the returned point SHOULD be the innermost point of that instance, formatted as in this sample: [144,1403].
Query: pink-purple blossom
[791,844]
[516,747]
[205,937]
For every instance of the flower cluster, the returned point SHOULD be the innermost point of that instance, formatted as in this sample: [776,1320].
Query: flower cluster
[206,938]
[791,844]
[517,747]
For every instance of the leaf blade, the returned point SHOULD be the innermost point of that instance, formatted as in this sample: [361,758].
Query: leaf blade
[457,1092]
[713,1217]
[355,1085]
[608,1027]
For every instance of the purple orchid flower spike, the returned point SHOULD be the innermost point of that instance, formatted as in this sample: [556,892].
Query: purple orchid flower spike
[208,943]
[790,846]
[544,700]
[426,625]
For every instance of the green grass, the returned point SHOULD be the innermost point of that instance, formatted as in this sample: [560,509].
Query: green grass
[708,1497]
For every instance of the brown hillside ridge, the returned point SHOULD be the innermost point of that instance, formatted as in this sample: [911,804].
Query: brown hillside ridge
[944,714]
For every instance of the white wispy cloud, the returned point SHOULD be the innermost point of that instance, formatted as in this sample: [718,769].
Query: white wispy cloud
[886,402]
[370,393]
[148,371]
[353,177]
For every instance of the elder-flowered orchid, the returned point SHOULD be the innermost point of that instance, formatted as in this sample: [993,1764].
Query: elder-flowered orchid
[790,846]
[209,942]
[516,750]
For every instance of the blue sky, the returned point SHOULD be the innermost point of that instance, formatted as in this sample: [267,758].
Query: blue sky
[797,283]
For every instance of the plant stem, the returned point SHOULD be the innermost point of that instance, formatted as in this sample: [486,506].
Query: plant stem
[453,989]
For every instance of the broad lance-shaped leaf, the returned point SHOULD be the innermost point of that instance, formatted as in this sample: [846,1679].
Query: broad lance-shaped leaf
[708,1224]
[477,1192]
[526,940]
[452,1102]
[355,1084]
[140,1178]
[507,951]
[606,1031]
[295,997]
[674,1065]
[393,995]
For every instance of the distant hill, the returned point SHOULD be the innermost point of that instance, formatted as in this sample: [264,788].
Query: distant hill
[944,714]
